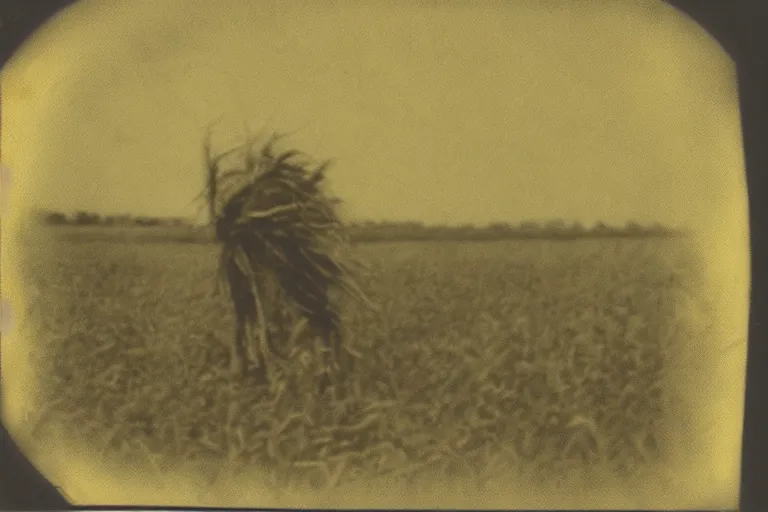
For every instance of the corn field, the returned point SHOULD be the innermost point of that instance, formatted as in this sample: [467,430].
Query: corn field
[541,358]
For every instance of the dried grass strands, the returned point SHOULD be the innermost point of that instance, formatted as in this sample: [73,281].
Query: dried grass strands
[272,217]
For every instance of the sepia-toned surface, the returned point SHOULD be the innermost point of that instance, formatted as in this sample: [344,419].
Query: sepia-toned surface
[492,369]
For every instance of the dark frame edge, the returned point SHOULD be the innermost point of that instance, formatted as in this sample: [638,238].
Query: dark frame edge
[736,25]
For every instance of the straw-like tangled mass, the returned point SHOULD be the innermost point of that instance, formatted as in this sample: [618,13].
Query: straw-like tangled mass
[273,217]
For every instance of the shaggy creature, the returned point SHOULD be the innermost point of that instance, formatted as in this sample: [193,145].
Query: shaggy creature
[282,245]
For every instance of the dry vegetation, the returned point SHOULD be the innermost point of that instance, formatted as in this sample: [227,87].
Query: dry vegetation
[546,357]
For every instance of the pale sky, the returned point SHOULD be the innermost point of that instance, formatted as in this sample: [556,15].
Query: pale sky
[442,111]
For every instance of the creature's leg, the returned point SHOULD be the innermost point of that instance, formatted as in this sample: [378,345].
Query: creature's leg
[330,375]
[261,337]
[260,372]
[238,356]
[297,330]
[346,358]
[339,355]
[332,339]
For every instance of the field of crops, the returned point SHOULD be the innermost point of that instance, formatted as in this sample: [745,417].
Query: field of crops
[538,357]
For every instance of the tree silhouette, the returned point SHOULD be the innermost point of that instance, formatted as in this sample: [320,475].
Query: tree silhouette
[55,218]
[87,219]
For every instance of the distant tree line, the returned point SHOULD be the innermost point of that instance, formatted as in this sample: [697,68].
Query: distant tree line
[94,219]
[385,231]
[405,231]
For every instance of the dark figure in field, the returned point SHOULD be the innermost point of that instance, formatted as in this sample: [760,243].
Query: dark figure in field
[279,234]
[274,302]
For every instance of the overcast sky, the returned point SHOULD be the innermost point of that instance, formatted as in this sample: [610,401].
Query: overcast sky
[434,111]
